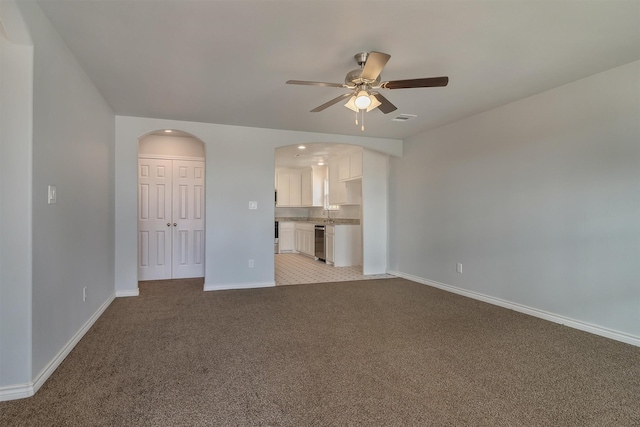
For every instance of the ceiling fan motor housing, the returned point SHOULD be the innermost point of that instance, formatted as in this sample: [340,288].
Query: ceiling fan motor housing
[353,79]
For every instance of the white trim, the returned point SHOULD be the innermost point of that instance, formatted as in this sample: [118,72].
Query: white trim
[169,157]
[53,365]
[17,391]
[20,391]
[252,285]
[132,293]
[556,318]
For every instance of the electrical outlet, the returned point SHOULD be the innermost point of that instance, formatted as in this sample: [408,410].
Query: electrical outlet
[253,205]
[459,267]
[250,263]
[84,293]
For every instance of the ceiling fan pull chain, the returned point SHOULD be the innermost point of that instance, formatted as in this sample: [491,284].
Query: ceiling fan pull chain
[356,117]
[362,128]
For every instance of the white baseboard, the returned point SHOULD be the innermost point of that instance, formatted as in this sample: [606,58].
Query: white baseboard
[20,391]
[16,391]
[223,287]
[556,318]
[133,293]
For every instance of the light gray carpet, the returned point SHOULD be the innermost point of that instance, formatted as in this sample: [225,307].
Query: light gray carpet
[386,352]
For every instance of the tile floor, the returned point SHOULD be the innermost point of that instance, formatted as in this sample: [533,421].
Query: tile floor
[293,269]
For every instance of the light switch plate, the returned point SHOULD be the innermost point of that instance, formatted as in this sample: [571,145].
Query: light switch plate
[52,194]
[253,205]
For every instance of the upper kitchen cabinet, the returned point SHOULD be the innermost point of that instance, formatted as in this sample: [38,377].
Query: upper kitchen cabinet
[302,187]
[313,186]
[337,188]
[350,165]
[345,178]
[289,187]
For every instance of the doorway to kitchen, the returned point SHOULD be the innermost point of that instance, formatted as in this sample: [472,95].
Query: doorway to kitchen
[319,186]
[171,206]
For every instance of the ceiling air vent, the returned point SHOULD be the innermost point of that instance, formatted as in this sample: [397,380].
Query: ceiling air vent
[403,117]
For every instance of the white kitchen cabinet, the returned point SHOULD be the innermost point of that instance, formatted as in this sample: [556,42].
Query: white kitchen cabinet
[329,244]
[353,192]
[283,188]
[350,165]
[356,164]
[313,186]
[298,237]
[289,186]
[334,182]
[286,237]
[345,179]
[305,238]
[309,240]
[295,197]
[344,168]
[347,245]
[307,187]
[337,188]
[343,192]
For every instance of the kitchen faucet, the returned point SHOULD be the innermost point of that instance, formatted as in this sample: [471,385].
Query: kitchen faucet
[329,217]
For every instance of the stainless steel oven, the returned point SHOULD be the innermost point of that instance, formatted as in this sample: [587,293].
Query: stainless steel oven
[319,242]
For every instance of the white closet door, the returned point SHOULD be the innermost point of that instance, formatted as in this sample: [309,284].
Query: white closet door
[188,215]
[155,227]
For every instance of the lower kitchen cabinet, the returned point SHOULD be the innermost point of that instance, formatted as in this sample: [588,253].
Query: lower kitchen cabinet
[305,238]
[343,242]
[328,242]
[343,245]
[286,237]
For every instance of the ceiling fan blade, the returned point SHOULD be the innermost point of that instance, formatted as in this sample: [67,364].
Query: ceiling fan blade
[411,83]
[385,106]
[374,65]
[306,83]
[330,103]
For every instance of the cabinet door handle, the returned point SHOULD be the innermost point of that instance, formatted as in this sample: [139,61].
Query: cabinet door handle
[168,224]
[174,224]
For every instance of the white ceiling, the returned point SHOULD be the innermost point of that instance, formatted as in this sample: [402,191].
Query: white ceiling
[227,61]
[293,157]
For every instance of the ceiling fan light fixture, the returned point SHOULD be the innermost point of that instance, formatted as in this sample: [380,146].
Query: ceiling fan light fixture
[374,103]
[351,104]
[363,100]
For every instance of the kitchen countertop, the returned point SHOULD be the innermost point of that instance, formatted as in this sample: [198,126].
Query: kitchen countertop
[334,221]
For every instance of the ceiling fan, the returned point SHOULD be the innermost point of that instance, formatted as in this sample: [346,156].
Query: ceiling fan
[364,82]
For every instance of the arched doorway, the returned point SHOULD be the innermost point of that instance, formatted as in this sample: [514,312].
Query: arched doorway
[171,206]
